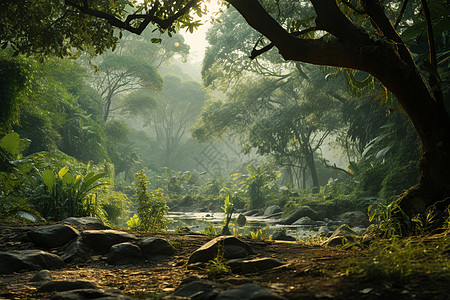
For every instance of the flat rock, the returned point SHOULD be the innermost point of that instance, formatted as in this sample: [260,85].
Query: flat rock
[248,291]
[156,246]
[53,236]
[65,285]
[232,248]
[253,265]
[83,294]
[101,240]
[11,262]
[124,253]
[86,223]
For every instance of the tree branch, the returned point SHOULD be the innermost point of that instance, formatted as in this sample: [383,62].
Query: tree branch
[434,83]
[146,18]
[400,15]
[257,52]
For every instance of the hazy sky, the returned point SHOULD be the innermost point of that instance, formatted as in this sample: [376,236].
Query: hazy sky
[197,40]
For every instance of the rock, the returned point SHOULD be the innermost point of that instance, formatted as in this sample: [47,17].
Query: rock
[83,294]
[76,252]
[271,210]
[254,265]
[354,218]
[303,211]
[86,223]
[65,285]
[323,231]
[124,253]
[11,262]
[340,236]
[101,240]
[193,289]
[232,248]
[53,236]
[248,291]
[241,220]
[304,221]
[282,236]
[251,213]
[41,276]
[156,246]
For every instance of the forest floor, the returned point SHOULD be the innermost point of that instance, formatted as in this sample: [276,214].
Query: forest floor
[310,272]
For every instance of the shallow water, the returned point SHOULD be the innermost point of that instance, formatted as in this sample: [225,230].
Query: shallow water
[198,221]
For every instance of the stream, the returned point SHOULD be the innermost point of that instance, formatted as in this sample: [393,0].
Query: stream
[198,221]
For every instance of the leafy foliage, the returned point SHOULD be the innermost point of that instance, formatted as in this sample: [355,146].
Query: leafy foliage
[59,195]
[152,206]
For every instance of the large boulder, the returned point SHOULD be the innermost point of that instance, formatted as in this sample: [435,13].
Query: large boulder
[248,291]
[101,240]
[229,246]
[271,210]
[86,223]
[354,218]
[76,252]
[304,221]
[300,212]
[11,262]
[156,246]
[53,236]
[124,253]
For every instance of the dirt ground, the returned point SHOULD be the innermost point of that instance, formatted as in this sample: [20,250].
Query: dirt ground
[310,272]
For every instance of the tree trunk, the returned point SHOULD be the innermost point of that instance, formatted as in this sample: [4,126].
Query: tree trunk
[309,159]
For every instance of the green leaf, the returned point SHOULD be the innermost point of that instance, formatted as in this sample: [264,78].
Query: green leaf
[383,152]
[63,172]
[414,31]
[49,179]
[10,143]
[251,169]
[156,40]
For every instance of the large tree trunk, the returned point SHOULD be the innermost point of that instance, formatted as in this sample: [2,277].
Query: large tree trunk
[390,62]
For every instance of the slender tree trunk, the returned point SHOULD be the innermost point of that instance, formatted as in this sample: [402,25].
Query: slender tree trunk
[309,159]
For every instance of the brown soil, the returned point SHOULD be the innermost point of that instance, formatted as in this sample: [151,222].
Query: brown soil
[311,272]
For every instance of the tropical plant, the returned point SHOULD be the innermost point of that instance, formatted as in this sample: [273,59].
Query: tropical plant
[228,209]
[152,206]
[256,183]
[61,195]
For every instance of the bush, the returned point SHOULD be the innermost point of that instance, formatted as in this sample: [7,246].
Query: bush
[152,206]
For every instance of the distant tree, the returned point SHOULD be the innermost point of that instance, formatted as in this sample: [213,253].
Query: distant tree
[178,106]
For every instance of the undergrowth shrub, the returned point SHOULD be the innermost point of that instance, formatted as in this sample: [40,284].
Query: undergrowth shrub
[152,207]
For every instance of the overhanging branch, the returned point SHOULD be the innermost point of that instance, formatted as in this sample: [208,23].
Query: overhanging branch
[148,18]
